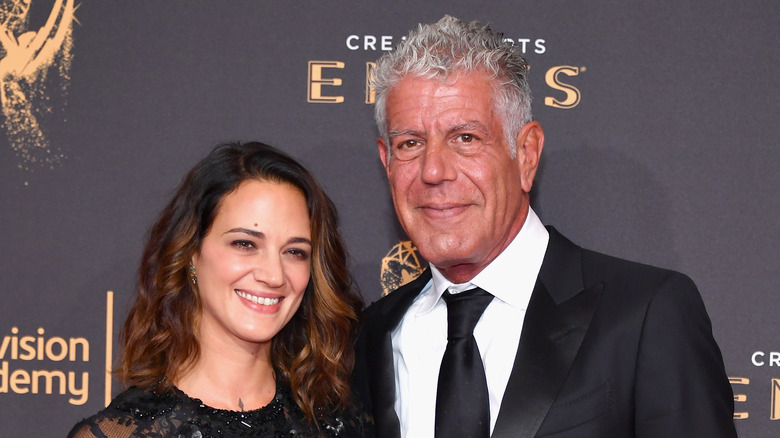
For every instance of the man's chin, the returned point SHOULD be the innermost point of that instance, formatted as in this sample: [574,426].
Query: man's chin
[445,257]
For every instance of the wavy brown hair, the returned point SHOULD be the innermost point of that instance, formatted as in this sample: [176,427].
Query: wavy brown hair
[313,353]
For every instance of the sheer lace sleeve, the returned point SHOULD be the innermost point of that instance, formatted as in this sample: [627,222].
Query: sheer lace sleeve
[100,427]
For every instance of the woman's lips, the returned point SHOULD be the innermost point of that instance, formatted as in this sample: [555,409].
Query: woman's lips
[263,301]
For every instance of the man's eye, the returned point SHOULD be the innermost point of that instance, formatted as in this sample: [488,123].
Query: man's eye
[408,149]
[466,138]
[408,144]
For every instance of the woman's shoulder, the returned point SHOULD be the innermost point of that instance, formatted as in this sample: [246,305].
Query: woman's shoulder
[284,418]
[130,414]
[351,422]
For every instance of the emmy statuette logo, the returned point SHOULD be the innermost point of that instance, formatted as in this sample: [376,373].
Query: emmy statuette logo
[28,57]
[401,265]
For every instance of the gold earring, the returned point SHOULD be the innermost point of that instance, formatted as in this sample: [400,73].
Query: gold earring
[193,275]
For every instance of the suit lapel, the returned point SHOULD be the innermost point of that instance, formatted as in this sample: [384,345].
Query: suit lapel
[556,321]
[381,371]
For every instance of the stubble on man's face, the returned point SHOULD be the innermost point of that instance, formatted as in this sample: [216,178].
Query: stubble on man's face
[461,199]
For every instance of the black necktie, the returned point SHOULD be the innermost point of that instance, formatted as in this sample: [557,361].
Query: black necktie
[462,406]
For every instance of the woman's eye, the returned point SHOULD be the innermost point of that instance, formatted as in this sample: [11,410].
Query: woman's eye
[298,253]
[243,244]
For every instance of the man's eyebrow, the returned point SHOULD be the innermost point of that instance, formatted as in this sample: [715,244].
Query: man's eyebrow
[398,133]
[472,125]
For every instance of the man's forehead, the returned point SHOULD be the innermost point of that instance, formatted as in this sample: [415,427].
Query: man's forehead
[421,101]
[440,125]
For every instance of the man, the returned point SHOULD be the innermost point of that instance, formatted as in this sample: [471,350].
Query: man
[573,343]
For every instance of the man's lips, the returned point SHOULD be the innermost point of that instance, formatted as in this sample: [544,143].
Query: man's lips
[442,211]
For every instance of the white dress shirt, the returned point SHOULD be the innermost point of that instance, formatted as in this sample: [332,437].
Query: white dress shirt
[420,339]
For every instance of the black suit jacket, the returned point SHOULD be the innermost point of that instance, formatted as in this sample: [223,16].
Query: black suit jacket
[609,348]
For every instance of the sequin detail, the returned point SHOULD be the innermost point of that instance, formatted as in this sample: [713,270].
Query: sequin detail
[175,414]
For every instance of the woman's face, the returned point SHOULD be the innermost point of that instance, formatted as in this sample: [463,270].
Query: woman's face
[254,263]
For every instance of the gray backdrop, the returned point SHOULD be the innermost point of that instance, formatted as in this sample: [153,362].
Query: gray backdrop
[661,147]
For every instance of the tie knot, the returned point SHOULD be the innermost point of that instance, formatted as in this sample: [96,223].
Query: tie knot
[464,310]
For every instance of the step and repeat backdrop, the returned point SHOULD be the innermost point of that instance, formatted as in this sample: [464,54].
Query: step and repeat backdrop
[662,147]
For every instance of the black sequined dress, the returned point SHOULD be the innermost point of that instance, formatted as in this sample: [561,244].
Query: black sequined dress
[142,413]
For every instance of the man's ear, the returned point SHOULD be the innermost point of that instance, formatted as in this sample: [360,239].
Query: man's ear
[382,147]
[530,142]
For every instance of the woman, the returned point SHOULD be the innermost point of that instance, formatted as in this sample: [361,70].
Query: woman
[244,315]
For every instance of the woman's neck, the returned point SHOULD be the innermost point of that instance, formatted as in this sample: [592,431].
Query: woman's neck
[230,375]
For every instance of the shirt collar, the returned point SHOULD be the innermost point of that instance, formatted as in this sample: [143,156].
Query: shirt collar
[510,277]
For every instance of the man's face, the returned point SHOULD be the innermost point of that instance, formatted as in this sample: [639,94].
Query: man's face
[457,193]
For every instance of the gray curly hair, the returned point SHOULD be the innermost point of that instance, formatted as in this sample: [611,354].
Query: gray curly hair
[448,48]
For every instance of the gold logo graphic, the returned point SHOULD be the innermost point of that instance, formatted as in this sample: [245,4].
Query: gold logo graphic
[552,78]
[740,398]
[370,92]
[317,81]
[400,266]
[26,59]
[775,406]
[323,84]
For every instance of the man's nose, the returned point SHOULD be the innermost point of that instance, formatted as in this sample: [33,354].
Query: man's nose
[437,163]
